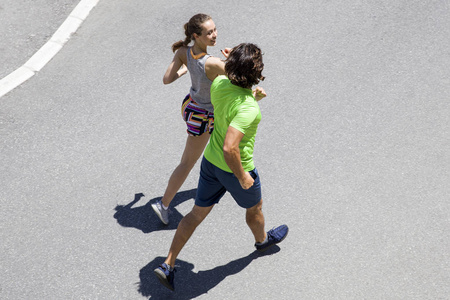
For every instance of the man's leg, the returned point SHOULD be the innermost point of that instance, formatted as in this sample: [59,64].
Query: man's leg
[255,220]
[184,231]
[165,272]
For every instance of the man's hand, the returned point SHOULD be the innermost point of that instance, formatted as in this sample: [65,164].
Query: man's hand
[259,93]
[247,181]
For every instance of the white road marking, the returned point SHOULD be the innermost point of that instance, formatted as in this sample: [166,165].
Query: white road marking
[50,49]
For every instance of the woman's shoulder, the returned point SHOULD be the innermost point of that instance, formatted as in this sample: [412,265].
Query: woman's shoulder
[181,53]
[214,66]
[213,60]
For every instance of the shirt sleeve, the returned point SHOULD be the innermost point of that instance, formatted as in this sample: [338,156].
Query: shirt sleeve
[244,118]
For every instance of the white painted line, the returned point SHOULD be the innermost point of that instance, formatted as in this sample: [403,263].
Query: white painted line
[43,56]
[50,49]
[16,78]
[69,27]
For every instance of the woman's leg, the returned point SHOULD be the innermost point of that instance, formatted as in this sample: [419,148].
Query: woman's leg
[192,151]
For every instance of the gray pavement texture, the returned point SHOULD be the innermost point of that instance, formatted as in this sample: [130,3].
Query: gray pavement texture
[26,25]
[353,153]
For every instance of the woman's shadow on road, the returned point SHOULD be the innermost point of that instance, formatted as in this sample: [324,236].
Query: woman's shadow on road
[189,284]
[143,217]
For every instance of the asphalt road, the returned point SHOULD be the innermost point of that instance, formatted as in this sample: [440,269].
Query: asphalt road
[26,26]
[353,153]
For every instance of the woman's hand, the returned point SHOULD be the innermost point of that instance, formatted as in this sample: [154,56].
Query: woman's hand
[226,52]
[183,70]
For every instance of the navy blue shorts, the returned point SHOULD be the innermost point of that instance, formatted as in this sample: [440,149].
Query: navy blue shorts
[214,182]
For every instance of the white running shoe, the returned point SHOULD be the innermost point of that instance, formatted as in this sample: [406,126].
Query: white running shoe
[162,213]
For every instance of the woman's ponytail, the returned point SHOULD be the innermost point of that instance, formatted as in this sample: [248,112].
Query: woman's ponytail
[186,41]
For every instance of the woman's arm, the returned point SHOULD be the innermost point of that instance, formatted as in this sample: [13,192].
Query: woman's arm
[214,67]
[177,67]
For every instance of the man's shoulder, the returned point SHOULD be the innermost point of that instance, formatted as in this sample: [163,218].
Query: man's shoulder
[221,78]
[219,81]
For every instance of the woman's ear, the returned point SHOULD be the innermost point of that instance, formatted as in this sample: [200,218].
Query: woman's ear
[195,36]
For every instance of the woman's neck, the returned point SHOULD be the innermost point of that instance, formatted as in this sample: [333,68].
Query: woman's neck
[198,49]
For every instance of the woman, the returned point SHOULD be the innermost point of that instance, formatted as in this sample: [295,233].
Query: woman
[196,109]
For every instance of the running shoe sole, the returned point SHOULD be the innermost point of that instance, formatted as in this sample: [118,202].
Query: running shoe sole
[163,278]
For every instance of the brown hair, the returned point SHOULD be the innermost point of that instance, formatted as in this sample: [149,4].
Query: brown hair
[193,26]
[244,65]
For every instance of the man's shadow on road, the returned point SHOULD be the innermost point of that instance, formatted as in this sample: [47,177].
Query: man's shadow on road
[145,219]
[189,284]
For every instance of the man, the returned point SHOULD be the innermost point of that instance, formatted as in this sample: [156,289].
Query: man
[227,164]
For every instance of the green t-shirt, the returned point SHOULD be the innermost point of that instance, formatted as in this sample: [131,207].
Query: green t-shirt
[233,106]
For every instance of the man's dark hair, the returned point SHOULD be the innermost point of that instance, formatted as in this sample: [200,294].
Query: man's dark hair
[244,65]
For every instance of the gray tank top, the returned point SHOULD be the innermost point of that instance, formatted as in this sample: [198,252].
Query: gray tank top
[200,83]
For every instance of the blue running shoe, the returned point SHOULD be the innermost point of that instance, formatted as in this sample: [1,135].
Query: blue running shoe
[165,276]
[274,236]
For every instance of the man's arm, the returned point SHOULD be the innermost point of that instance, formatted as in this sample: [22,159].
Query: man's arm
[259,93]
[233,157]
